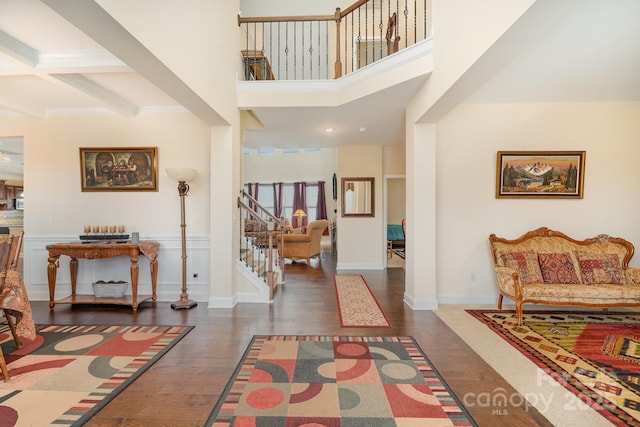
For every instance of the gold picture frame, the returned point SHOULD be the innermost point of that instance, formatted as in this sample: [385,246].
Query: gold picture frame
[119,169]
[540,174]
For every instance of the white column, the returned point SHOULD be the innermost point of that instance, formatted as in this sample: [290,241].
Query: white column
[420,278]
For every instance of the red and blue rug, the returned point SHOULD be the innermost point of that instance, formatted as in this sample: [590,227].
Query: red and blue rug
[68,373]
[594,355]
[334,381]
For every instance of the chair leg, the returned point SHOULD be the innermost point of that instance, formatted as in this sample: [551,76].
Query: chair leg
[3,367]
[12,326]
[519,313]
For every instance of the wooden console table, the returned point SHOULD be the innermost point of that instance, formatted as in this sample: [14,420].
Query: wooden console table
[77,250]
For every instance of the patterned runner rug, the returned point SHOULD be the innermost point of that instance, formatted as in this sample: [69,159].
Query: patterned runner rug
[68,373]
[357,306]
[594,356]
[336,381]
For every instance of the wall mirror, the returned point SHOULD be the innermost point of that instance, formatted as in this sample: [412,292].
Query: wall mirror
[357,197]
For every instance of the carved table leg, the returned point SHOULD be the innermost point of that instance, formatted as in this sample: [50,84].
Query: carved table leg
[154,277]
[52,270]
[73,269]
[134,282]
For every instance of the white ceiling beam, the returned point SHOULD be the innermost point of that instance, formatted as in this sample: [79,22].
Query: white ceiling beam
[90,18]
[85,85]
[21,108]
[63,69]
[18,50]
[83,61]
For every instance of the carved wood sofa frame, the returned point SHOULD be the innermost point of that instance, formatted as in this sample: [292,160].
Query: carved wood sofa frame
[510,283]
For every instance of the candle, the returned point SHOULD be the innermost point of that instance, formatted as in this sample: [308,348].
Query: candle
[104,228]
[121,229]
[87,229]
[96,228]
[112,229]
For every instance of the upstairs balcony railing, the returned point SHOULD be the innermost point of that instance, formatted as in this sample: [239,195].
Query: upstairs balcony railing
[322,47]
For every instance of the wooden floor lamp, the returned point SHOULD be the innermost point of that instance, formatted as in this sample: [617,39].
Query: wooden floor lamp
[183,175]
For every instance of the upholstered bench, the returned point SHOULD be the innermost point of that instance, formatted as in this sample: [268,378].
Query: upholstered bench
[395,236]
[547,267]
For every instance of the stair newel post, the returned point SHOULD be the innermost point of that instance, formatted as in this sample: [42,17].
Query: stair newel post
[281,247]
[338,66]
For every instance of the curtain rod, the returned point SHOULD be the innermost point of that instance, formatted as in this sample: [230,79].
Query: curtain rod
[270,183]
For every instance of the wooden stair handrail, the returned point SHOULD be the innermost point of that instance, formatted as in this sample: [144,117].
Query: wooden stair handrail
[259,19]
[337,17]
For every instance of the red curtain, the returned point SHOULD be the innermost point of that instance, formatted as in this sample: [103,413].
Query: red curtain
[278,195]
[321,205]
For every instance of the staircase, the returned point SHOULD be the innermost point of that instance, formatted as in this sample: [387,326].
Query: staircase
[260,237]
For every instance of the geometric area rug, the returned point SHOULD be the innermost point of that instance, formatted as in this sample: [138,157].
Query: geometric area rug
[595,356]
[68,373]
[348,381]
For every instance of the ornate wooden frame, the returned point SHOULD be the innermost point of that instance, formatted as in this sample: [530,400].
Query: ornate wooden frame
[119,169]
[540,174]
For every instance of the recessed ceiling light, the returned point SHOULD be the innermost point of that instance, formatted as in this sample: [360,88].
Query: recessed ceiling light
[363,129]
[329,130]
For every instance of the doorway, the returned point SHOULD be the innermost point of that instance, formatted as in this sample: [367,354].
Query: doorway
[394,213]
[12,186]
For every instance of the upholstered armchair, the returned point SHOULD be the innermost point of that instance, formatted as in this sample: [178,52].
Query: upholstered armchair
[304,245]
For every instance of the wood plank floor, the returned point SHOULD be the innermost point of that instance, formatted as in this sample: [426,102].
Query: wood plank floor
[183,386]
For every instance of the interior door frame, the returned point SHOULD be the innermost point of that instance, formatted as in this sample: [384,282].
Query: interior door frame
[385,190]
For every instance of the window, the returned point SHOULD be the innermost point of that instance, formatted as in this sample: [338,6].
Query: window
[265,198]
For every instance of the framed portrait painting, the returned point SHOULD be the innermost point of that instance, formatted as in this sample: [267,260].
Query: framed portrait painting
[540,174]
[119,169]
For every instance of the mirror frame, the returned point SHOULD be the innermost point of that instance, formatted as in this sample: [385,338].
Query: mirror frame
[343,192]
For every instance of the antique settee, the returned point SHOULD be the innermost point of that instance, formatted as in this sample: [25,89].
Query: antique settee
[547,267]
[304,245]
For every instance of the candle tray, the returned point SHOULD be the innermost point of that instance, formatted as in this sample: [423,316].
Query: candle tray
[106,237]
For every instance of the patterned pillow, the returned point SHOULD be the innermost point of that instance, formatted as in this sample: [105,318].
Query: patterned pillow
[557,268]
[600,268]
[525,263]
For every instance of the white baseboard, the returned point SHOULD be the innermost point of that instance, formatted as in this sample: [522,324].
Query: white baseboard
[415,304]
[228,302]
[468,299]
[359,266]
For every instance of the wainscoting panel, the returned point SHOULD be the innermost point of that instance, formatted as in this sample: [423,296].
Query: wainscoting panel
[169,269]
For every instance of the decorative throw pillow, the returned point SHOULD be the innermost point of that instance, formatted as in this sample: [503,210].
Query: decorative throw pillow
[557,268]
[525,263]
[600,268]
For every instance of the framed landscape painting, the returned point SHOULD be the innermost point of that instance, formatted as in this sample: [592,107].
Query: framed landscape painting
[535,174]
[119,169]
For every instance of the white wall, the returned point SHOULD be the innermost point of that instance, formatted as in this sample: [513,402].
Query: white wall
[360,239]
[198,42]
[56,209]
[291,7]
[396,200]
[468,211]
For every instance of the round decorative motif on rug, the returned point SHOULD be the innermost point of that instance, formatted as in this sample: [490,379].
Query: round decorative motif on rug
[265,398]
[79,342]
